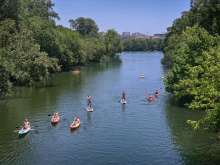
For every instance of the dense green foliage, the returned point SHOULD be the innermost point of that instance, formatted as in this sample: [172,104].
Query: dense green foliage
[141,44]
[32,46]
[85,26]
[192,52]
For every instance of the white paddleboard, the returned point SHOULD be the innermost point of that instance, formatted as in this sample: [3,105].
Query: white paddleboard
[123,101]
[89,109]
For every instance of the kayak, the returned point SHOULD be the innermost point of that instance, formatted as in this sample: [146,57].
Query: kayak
[90,109]
[123,101]
[141,76]
[55,120]
[74,125]
[151,98]
[23,131]
[76,72]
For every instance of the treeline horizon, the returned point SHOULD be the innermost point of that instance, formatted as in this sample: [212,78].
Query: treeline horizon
[192,54]
[32,46]
[143,44]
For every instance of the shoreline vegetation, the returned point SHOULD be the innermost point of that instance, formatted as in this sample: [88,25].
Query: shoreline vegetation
[192,54]
[32,46]
[142,44]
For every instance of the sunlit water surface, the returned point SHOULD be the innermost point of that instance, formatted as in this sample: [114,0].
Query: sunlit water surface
[137,133]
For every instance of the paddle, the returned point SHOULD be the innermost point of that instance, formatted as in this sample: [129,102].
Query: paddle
[51,114]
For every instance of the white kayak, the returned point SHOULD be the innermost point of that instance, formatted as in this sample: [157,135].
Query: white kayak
[141,76]
[89,109]
[23,131]
[123,101]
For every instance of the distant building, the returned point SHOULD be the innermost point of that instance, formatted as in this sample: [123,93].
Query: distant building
[126,35]
[138,35]
[159,36]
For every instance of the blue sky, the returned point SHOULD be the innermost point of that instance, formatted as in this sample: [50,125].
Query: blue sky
[146,16]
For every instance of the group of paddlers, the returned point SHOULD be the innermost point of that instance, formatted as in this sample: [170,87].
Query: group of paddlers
[152,98]
[76,122]
[55,119]
[149,98]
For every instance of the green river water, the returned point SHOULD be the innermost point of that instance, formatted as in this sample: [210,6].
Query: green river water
[137,133]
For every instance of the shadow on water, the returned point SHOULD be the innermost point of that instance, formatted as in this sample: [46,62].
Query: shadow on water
[196,147]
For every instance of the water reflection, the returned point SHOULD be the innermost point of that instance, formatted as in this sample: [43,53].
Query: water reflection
[135,133]
[196,147]
[89,117]
[123,106]
[66,95]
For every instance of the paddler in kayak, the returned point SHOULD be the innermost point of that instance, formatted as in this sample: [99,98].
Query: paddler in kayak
[151,98]
[26,124]
[77,120]
[157,93]
[55,118]
[75,124]
[55,115]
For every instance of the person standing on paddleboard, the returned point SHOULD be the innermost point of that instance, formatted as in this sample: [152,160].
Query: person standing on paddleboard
[123,97]
[89,101]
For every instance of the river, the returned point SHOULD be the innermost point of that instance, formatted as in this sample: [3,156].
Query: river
[137,133]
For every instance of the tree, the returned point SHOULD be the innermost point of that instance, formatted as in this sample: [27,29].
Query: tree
[85,26]
[142,44]
[192,54]
[113,42]
[32,46]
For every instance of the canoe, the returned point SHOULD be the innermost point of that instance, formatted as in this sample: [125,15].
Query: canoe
[89,109]
[23,131]
[123,101]
[55,120]
[74,125]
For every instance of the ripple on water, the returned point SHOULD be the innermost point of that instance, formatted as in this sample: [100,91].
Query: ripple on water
[136,133]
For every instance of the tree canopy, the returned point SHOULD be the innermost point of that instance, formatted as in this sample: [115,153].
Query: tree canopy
[142,44]
[192,55]
[85,26]
[32,46]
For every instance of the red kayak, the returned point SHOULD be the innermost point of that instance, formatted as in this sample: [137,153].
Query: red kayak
[75,124]
[151,98]
[55,119]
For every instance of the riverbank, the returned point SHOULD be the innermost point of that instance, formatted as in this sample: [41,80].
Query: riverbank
[192,54]
[33,47]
